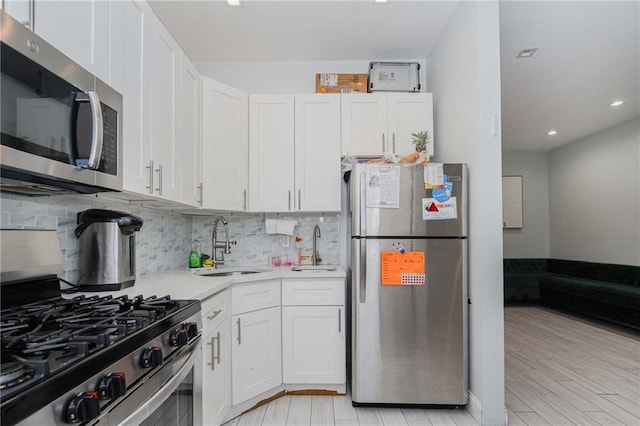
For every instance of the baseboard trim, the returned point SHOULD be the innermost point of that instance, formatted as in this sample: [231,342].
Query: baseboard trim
[474,407]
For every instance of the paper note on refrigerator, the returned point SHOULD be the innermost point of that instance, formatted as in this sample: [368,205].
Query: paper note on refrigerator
[383,186]
[398,268]
[433,176]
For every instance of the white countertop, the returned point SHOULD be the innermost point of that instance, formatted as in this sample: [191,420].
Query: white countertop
[187,284]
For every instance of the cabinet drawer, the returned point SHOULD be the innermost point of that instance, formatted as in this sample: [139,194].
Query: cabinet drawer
[215,309]
[254,296]
[313,291]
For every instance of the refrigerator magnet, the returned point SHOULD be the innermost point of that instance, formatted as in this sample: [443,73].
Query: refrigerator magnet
[402,268]
[432,209]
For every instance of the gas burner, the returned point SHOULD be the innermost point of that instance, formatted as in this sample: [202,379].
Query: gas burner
[13,373]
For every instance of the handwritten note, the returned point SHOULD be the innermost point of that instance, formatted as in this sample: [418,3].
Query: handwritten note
[402,268]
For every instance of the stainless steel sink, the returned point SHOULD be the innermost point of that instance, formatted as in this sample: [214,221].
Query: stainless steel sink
[230,272]
[314,268]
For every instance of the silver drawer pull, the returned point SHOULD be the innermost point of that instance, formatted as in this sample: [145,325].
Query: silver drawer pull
[239,331]
[215,314]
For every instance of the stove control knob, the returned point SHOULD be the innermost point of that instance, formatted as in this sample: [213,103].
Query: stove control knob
[151,357]
[112,386]
[192,329]
[83,407]
[178,338]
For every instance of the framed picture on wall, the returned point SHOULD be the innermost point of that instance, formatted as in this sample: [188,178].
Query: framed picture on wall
[512,216]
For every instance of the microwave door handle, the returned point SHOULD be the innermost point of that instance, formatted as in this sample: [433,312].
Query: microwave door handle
[97,133]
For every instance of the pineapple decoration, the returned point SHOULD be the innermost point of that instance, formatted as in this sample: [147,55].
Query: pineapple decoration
[420,140]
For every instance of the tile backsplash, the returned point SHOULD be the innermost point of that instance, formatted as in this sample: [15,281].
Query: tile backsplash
[165,239]
[161,244]
[255,245]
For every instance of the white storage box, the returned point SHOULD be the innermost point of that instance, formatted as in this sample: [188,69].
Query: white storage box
[394,77]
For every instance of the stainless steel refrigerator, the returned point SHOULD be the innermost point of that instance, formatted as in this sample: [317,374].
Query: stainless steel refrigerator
[409,285]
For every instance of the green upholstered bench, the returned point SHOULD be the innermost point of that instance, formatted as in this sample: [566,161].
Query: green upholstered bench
[522,279]
[601,290]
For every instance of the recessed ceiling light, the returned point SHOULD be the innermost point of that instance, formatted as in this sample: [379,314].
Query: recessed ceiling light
[233,2]
[552,132]
[616,103]
[379,1]
[527,53]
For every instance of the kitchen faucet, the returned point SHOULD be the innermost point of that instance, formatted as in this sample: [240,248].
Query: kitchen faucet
[215,244]
[316,235]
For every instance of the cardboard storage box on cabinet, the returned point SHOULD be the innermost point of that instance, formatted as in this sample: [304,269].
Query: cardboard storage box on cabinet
[341,83]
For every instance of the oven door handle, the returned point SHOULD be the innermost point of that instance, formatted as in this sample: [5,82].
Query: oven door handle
[153,403]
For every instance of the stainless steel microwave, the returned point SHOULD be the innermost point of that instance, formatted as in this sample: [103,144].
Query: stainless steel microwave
[60,125]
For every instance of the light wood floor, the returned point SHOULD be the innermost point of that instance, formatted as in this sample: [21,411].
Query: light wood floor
[565,370]
[560,370]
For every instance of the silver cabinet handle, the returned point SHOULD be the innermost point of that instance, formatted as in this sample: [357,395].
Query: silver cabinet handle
[239,331]
[393,138]
[383,147]
[159,170]
[244,203]
[215,314]
[200,192]
[339,320]
[219,353]
[289,200]
[299,197]
[213,357]
[32,15]
[150,168]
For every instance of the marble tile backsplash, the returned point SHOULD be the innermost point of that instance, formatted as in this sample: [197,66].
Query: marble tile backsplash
[161,244]
[255,245]
[164,242]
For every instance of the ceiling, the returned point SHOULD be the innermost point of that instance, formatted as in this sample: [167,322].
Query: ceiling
[588,52]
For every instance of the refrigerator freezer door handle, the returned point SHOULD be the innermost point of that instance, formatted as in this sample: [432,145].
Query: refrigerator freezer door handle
[363,203]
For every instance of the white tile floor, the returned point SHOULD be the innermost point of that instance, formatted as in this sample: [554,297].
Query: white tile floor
[560,370]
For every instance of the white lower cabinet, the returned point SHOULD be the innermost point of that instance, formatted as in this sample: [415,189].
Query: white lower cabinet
[215,361]
[313,331]
[216,374]
[256,353]
[313,347]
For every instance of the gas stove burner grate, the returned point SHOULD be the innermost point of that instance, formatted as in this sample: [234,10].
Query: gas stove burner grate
[14,373]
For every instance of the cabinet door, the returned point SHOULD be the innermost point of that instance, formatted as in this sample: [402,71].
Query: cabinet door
[163,72]
[364,124]
[80,29]
[256,350]
[409,113]
[225,146]
[189,130]
[216,374]
[20,10]
[313,347]
[317,151]
[271,153]
[136,91]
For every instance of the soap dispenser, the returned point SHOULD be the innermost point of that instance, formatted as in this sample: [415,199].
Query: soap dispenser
[195,258]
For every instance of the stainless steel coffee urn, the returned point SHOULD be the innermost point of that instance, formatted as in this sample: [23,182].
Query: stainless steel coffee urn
[107,249]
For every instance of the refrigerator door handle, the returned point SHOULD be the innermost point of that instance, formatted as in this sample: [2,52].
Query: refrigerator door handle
[363,203]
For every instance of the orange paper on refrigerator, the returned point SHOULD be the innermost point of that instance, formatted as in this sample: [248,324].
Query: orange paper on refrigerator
[398,268]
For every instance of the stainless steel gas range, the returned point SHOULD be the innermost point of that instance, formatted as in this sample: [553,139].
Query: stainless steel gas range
[92,359]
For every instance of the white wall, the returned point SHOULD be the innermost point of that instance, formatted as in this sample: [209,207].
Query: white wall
[532,241]
[463,73]
[594,193]
[282,77]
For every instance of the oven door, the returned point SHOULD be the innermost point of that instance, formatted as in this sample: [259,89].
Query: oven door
[165,398]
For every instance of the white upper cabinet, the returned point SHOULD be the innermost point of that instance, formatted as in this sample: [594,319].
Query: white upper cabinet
[294,153]
[21,10]
[189,131]
[225,146]
[317,152]
[409,113]
[163,73]
[271,154]
[378,123]
[136,90]
[364,124]
[79,29]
